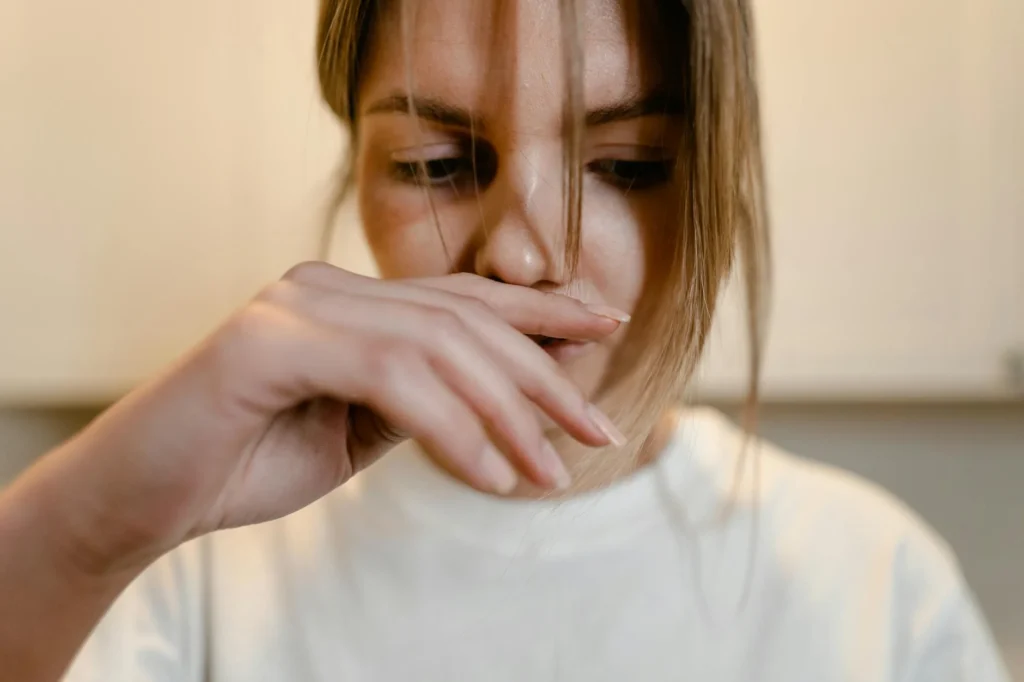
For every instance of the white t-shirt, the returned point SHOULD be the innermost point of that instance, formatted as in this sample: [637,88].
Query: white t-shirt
[404,574]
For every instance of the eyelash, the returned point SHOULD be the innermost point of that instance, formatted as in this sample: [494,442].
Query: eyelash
[454,171]
[632,174]
[457,171]
[434,172]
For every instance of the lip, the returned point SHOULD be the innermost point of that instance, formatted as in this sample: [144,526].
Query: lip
[564,351]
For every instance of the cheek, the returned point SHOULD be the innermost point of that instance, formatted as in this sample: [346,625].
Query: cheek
[619,233]
[399,226]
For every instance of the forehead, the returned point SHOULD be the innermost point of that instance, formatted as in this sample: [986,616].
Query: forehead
[506,55]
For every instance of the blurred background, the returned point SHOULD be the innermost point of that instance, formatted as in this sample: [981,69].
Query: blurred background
[159,162]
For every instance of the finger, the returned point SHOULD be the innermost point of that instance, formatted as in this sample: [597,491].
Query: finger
[529,310]
[395,334]
[420,403]
[532,311]
[467,366]
[303,361]
[321,274]
[534,373]
[545,382]
[538,375]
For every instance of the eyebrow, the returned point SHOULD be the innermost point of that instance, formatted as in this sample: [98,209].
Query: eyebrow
[440,112]
[427,108]
[653,104]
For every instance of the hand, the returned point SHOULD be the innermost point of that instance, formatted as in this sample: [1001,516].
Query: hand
[315,379]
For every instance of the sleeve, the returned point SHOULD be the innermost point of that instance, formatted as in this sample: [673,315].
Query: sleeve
[957,647]
[155,630]
[942,634]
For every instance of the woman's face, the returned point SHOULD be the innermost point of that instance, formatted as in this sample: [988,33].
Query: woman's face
[487,85]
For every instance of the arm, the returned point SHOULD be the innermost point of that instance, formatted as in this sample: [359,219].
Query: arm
[54,590]
[300,390]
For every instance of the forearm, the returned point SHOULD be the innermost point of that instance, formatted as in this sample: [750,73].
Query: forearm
[52,589]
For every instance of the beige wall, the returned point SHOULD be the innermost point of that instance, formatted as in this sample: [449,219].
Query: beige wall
[25,433]
[961,467]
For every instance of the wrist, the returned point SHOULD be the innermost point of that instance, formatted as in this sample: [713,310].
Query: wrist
[79,532]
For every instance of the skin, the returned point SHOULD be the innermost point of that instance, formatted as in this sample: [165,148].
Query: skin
[508,224]
[325,371]
[492,90]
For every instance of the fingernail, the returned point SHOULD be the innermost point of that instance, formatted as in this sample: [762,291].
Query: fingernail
[609,312]
[496,470]
[552,463]
[605,426]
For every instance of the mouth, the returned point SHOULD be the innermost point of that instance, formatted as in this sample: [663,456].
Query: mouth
[560,349]
[545,341]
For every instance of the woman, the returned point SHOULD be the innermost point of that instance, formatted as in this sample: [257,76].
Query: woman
[552,242]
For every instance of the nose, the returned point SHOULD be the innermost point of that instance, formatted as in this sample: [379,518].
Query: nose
[522,224]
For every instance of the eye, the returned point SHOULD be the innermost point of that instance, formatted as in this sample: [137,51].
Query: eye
[444,171]
[452,166]
[632,174]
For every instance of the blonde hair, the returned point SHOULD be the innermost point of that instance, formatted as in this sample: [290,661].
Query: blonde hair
[722,209]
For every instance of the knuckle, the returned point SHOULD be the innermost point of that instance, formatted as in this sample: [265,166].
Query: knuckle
[310,271]
[476,307]
[280,293]
[245,335]
[252,322]
[445,325]
[392,362]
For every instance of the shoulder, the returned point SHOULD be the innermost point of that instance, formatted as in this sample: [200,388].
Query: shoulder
[803,505]
[843,553]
